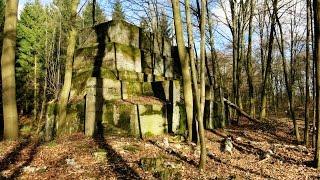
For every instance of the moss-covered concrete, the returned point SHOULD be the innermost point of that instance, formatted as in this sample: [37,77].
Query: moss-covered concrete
[152,119]
[131,89]
[75,117]
[128,58]
[123,32]
[131,76]
[120,118]
[183,118]
[146,40]
[111,31]
[147,60]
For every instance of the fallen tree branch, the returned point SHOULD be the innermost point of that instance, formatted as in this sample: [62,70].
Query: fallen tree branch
[242,112]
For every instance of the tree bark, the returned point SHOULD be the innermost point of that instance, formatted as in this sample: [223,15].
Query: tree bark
[65,91]
[263,111]
[184,60]
[286,78]
[10,114]
[202,85]
[307,113]
[217,78]
[249,63]
[192,60]
[240,111]
[316,9]
[35,100]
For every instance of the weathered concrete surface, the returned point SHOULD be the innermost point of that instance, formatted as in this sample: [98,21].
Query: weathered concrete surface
[147,61]
[168,67]
[152,119]
[107,89]
[112,31]
[125,76]
[120,117]
[128,58]
[103,55]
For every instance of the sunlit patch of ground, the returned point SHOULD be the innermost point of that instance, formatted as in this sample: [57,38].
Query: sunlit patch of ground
[73,157]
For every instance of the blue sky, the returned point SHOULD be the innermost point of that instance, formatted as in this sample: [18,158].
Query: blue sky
[133,13]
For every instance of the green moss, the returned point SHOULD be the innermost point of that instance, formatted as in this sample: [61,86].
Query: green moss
[148,134]
[108,74]
[79,80]
[183,118]
[150,110]
[26,129]
[101,150]
[130,76]
[147,89]
[129,51]
[133,88]
[108,113]
[88,51]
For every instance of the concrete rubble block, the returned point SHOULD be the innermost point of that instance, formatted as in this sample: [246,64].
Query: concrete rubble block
[147,89]
[96,56]
[128,58]
[168,67]
[84,57]
[112,31]
[166,47]
[107,89]
[87,36]
[147,62]
[176,98]
[152,119]
[120,117]
[111,89]
[157,44]
[108,74]
[146,40]
[131,89]
[75,116]
[131,76]
[123,33]
[158,65]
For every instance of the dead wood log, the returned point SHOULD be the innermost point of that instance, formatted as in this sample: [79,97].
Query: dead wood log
[242,112]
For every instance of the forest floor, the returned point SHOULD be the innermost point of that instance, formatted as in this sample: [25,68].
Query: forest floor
[261,151]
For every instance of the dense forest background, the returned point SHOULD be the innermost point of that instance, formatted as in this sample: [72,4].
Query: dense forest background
[258,57]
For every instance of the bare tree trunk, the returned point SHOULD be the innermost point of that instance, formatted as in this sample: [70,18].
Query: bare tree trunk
[44,95]
[58,59]
[93,12]
[202,85]
[316,9]
[307,113]
[10,114]
[184,59]
[64,95]
[249,62]
[263,111]
[217,79]
[193,64]
[35,100]
[288,84]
